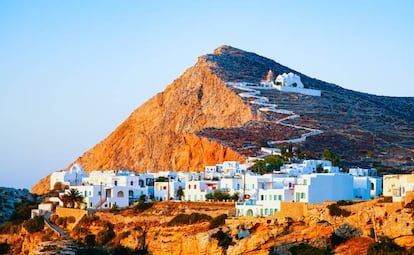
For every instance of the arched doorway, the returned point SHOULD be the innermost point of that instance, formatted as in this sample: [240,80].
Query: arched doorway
[249,212]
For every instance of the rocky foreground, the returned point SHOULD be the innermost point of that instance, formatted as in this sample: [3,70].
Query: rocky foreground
[199,228]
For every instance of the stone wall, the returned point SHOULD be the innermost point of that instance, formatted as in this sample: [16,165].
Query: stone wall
[296,211]
[66,212]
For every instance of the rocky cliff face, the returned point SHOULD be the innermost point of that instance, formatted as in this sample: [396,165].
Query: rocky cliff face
[198,120]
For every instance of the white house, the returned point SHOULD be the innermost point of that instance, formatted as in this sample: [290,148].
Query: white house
[397,186]
[164,191]
[289,80]
[231,185]
[71,177]
[265,193]
[367,184]
[197,190]
[104,189]
[320,187]
[271,151]
[308,167]
[363,172]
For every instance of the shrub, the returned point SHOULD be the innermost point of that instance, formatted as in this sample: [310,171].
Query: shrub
[9,228]
[345,202]
[21,213]
[89,219]
[188,219]
[344,232]
[218,221]
[92,251]
[385,246]
[34,225]
[71,219]
[4,248]
[224,240]
[61,221]
[334,210]
[90,240]
[122,250]
[142,206]
[106,234]
[306,249]
[124,234]
[53,218]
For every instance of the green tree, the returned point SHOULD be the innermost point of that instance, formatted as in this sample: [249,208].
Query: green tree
[269,164]
[22,212]
[180,193]
[34,225]
[319,168]
[331,156]
[235,196]
[218,195]
[273,163]
[72,198]
[259,167]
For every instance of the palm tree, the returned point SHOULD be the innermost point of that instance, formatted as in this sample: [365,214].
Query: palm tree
[72,198]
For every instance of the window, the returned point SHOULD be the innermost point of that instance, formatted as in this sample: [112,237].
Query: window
[238,186]
[274,197]
[132,183]
[90,204]
[302,195]
[99,193]
[280,197]
[189,186]
[372,186]
[195,186]
[164,187]
[305,182]
[85,194]
[261,197]
[271,212]
[261,211]
[116,183]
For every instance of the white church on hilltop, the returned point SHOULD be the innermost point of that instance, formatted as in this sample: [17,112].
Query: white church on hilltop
[287,82]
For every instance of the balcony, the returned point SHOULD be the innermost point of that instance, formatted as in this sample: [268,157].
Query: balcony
[247,203]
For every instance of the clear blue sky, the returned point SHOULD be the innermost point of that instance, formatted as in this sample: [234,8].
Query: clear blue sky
[71,71]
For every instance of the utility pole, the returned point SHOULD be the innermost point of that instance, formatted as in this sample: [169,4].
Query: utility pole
[244,185]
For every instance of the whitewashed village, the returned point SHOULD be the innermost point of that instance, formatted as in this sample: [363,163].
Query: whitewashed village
[310,181]
[256,195]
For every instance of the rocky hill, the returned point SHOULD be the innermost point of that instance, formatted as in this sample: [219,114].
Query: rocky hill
[200,120]
[10,198]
